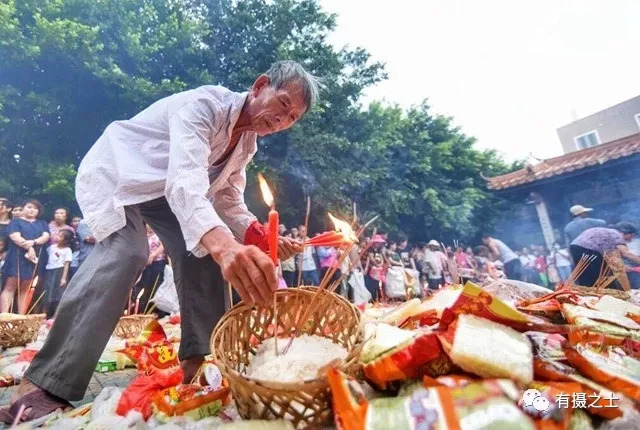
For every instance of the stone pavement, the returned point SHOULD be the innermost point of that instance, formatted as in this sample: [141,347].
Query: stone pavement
[119,378]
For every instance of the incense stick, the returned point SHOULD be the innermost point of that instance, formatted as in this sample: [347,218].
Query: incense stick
[230,292]
[304,241]
[362,253]
[275,322]
[153,290]
[323,285]
[151,309]
[36,303]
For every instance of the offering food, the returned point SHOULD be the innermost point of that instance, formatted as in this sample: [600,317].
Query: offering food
[193,401]
[484,404]
[392,354]
[489,349]
[611,366]
[302,362]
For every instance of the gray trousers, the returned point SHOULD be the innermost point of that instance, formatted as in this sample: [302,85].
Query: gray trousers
[95,299]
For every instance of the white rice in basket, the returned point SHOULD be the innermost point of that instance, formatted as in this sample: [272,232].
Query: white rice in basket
[305,357]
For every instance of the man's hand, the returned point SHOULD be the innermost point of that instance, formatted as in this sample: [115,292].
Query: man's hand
[248,269]
[288,247]
[90,239]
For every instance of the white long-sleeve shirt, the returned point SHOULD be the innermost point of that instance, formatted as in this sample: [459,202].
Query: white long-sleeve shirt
[169,150]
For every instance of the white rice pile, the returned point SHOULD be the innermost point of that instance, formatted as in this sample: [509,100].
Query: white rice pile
[302,361]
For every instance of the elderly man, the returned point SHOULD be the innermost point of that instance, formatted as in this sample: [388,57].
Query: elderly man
[179,165]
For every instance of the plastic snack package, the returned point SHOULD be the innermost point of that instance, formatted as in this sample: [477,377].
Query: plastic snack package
[158,368]
[476,301]
[194,401]
[392,354]
[547,345]
[481,405]
[609,366]
[451,381]
[488,349]
[541,401]
[597,394]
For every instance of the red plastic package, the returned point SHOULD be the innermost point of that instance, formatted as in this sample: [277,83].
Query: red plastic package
[158,368]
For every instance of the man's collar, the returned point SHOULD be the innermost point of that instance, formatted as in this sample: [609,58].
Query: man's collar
[239,100]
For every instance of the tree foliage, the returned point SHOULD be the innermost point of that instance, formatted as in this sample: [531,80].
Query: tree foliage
[70,67]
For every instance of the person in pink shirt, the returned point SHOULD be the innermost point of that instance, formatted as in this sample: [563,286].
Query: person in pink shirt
[59,223]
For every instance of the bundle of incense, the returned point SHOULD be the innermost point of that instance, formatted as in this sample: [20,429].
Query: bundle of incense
[566,288]
[329,238]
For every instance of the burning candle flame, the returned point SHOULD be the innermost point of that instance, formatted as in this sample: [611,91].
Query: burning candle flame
[140,294]
[344,228]
[266,191]
[34,282]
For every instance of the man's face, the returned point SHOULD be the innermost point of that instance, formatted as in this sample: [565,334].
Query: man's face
[281,229]
[75,222]
[433,248]
[294,232]
[274,110]
[303,232]
[60,216]
[3,207]
[403,245]
[16,212]
[486,240]
[628,237]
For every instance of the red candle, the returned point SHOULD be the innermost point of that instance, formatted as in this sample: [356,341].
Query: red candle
[274,219]
[274,223]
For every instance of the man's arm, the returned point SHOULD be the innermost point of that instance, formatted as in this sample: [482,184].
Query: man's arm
[85,234]
[248,269]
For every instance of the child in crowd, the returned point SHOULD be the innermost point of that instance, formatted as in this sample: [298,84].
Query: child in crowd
[57,269]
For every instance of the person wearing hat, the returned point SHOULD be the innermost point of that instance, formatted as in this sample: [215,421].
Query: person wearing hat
[374,268]
[581,221]
[435,263]
[596,243]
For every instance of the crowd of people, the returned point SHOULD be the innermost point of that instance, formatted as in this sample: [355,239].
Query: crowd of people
[45,256]
[388,268]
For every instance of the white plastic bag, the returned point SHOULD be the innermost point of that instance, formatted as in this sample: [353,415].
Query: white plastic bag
[394,287]
[106,402]
[360,293]
[166,297]
[412,279]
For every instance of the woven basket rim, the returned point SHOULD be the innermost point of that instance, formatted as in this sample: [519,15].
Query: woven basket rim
[137,316]
[289,386]
[20,317]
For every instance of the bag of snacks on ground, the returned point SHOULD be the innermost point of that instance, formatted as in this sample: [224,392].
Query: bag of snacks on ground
[392,354]
[194,401]
[158,368]
[481,405]
[488,349]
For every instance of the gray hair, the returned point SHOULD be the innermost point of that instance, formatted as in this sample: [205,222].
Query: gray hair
[287,71]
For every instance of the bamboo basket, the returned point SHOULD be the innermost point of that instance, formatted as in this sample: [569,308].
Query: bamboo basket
[240,331]
[20,330]
[130,326]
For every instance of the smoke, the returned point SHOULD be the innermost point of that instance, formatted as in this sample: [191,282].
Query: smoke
[300,171]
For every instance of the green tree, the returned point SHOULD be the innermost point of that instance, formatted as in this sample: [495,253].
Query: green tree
[70,67]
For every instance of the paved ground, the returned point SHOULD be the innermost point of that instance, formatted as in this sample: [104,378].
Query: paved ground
[119,378]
